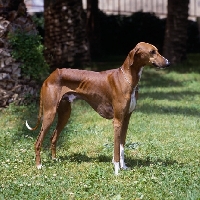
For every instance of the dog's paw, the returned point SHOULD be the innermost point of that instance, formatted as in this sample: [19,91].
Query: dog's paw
[54,159]
[123,165]
[39,166]
[117,167]
[125,168]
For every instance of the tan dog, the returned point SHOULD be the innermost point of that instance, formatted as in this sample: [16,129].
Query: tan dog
[110,93]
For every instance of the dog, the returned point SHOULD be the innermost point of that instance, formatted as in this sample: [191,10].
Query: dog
[111,93]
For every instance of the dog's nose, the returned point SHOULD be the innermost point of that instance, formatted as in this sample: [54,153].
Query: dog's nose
[167,62]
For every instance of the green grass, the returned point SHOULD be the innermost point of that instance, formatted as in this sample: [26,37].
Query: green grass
[162,151]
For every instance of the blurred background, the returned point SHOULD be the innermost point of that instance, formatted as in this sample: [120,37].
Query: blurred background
[116,26]
[37,36]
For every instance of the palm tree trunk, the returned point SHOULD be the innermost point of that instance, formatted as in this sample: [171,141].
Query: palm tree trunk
[65,34]
[93,28]
[175,43]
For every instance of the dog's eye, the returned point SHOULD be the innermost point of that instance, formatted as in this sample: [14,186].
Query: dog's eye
[152,52]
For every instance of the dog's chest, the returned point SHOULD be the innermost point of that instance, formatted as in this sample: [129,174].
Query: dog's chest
[132,102]
[133,98]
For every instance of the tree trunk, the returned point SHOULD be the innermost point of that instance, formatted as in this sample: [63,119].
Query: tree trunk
[13,87]
[93,28]
[66,43]
[175,42]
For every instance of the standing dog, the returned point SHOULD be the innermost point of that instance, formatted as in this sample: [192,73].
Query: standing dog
[111,93]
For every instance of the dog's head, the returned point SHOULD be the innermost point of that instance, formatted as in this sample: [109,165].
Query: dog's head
[147,54]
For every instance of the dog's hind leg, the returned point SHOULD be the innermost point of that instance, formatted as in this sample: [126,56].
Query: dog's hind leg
[48,118]
[50,98]
[64,111]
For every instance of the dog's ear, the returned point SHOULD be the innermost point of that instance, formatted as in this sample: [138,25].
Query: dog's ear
[137,50]
[132,55]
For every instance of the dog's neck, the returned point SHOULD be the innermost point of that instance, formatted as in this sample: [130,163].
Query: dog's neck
[125,77]
[132,74]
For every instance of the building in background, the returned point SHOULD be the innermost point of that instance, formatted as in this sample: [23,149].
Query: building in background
[34,5]
[126,7]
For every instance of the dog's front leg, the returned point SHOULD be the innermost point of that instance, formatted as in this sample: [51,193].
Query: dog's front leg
[123,139]
[117,138]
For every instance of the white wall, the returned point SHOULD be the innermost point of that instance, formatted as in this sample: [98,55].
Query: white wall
[126,6]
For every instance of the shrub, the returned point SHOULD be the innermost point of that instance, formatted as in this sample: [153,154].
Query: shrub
[27,48]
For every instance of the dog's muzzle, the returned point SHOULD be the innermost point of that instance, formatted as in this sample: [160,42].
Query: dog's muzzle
[167,62]
[164,64]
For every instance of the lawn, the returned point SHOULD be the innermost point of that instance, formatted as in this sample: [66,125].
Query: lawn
[162,150]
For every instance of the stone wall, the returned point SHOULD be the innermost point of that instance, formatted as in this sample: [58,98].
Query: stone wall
[14,87]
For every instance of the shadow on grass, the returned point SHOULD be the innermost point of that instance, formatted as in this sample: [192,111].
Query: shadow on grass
[131,162]
[168,95]
[151,78]
[176,110]
[79,158]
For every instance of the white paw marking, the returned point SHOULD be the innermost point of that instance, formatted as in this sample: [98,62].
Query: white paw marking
[39,166]
[122,162]
[117,168]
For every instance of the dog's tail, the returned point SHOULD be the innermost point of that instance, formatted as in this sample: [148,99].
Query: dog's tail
[39,116]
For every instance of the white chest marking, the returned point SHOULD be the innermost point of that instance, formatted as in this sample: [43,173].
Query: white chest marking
[133,98]
[140,73]
[132,102]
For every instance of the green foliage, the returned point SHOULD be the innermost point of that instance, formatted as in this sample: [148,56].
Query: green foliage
[27,48]
[38,20]
[162,148]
